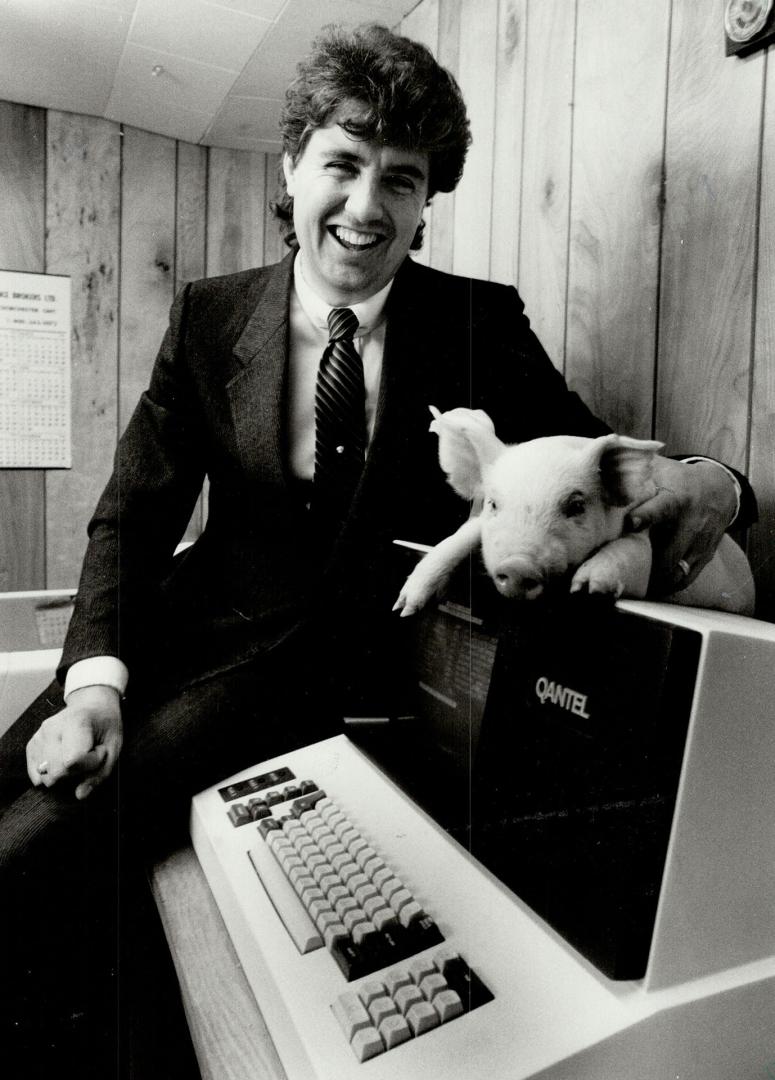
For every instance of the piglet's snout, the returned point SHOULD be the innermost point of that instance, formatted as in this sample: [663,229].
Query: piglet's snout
[519,579]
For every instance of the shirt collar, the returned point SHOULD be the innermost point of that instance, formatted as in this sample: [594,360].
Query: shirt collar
[369,312]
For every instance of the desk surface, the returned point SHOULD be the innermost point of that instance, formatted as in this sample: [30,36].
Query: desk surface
[228,1032]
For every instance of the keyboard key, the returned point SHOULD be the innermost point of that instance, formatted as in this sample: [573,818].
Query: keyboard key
[421,968]
[364,893]
[448,1005]
[258,809]
[395,979]
[357,881]
[406,996]
[432,985]
[286,903]
[364,855]
[398,899]
[239,815]
[390,886]
[364,933]
[307,786]
[422,1017]
[349,957]
[367,1043]
[268,825]
[352,917]
[381,1007]
[394,1031]
[345,905]
[384,918]
[326,920]
[370,990]
[410,913]
[351,1014]
[468,986]
[333,934]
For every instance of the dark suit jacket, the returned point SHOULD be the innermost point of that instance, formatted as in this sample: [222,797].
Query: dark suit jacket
[216,407]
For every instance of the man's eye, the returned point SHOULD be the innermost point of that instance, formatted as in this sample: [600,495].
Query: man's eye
[575,505]
[491,505]
[341,166]
[401,183]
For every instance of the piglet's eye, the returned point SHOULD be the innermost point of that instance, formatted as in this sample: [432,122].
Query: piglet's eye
[491,505]
[575,505]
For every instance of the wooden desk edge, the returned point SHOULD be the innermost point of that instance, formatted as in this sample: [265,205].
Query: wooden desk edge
[229,1035]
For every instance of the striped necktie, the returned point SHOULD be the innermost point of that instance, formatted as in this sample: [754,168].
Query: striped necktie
[340,420]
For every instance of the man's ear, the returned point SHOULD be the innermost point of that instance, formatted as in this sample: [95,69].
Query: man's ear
[467,446]
[626,468]
[288,173]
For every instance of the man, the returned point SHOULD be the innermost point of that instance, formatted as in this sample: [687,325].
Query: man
[277,621]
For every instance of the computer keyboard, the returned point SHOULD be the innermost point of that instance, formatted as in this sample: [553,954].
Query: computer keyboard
[377,948]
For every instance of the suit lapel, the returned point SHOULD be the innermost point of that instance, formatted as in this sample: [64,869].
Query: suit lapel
[257,392]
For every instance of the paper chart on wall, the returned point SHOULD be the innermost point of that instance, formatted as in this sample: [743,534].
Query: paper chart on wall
[35,325]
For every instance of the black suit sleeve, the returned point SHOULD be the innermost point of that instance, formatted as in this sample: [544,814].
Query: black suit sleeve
[143,511]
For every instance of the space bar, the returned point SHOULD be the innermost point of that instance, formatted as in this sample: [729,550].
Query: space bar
[284,900]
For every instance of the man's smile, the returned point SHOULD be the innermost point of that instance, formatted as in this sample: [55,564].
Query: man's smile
[355,240]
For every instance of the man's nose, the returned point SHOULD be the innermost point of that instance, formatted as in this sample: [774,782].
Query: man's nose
[363,200]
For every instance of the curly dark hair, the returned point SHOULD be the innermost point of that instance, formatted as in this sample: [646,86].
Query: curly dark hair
[400,95]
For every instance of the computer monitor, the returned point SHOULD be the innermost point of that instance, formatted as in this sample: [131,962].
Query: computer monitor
[611,764]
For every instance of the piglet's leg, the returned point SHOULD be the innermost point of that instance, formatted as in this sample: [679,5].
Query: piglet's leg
[432,572]
[619,568]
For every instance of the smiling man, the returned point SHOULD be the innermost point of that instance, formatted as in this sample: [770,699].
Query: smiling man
[301,392]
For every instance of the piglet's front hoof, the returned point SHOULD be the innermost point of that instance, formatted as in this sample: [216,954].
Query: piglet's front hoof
[414,595]
[597,581]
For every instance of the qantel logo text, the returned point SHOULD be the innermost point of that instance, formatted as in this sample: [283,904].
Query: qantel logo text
[572,700]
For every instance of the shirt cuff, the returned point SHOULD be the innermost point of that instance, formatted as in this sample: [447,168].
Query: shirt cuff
[97,671]
[730,474]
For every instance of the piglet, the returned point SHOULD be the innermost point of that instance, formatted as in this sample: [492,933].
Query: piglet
[558,506]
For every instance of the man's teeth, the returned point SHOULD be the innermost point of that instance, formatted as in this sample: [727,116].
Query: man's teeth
[358,239]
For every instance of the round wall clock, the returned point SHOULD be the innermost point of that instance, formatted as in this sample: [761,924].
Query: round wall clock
[743,19]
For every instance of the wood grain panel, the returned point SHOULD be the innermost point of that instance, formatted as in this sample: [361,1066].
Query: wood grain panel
[712,150]
[507,150]
[441,241]
[147,259]
[761,548]
[227,1029]
[190,213]
[274,245]
[190,242]
[83,237]
[543,249]
[22,208]
[621,65]
[422,25]
[473,197]
[236,201]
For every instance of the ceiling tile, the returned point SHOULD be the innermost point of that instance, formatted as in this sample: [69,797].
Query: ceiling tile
[273,64]
[266,9]
[246,122]
[163,119]
[42,51]
[183,83]
[198,31]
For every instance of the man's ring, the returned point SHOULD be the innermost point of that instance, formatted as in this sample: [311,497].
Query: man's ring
[684,567]
[43,768]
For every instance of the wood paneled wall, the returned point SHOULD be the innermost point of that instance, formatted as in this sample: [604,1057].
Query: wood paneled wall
[622,176]
[130,217]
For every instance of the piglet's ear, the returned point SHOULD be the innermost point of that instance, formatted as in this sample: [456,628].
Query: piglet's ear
[626,468]
[467,445]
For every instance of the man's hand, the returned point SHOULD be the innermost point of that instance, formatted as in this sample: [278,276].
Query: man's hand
[82,742]
[692,509]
